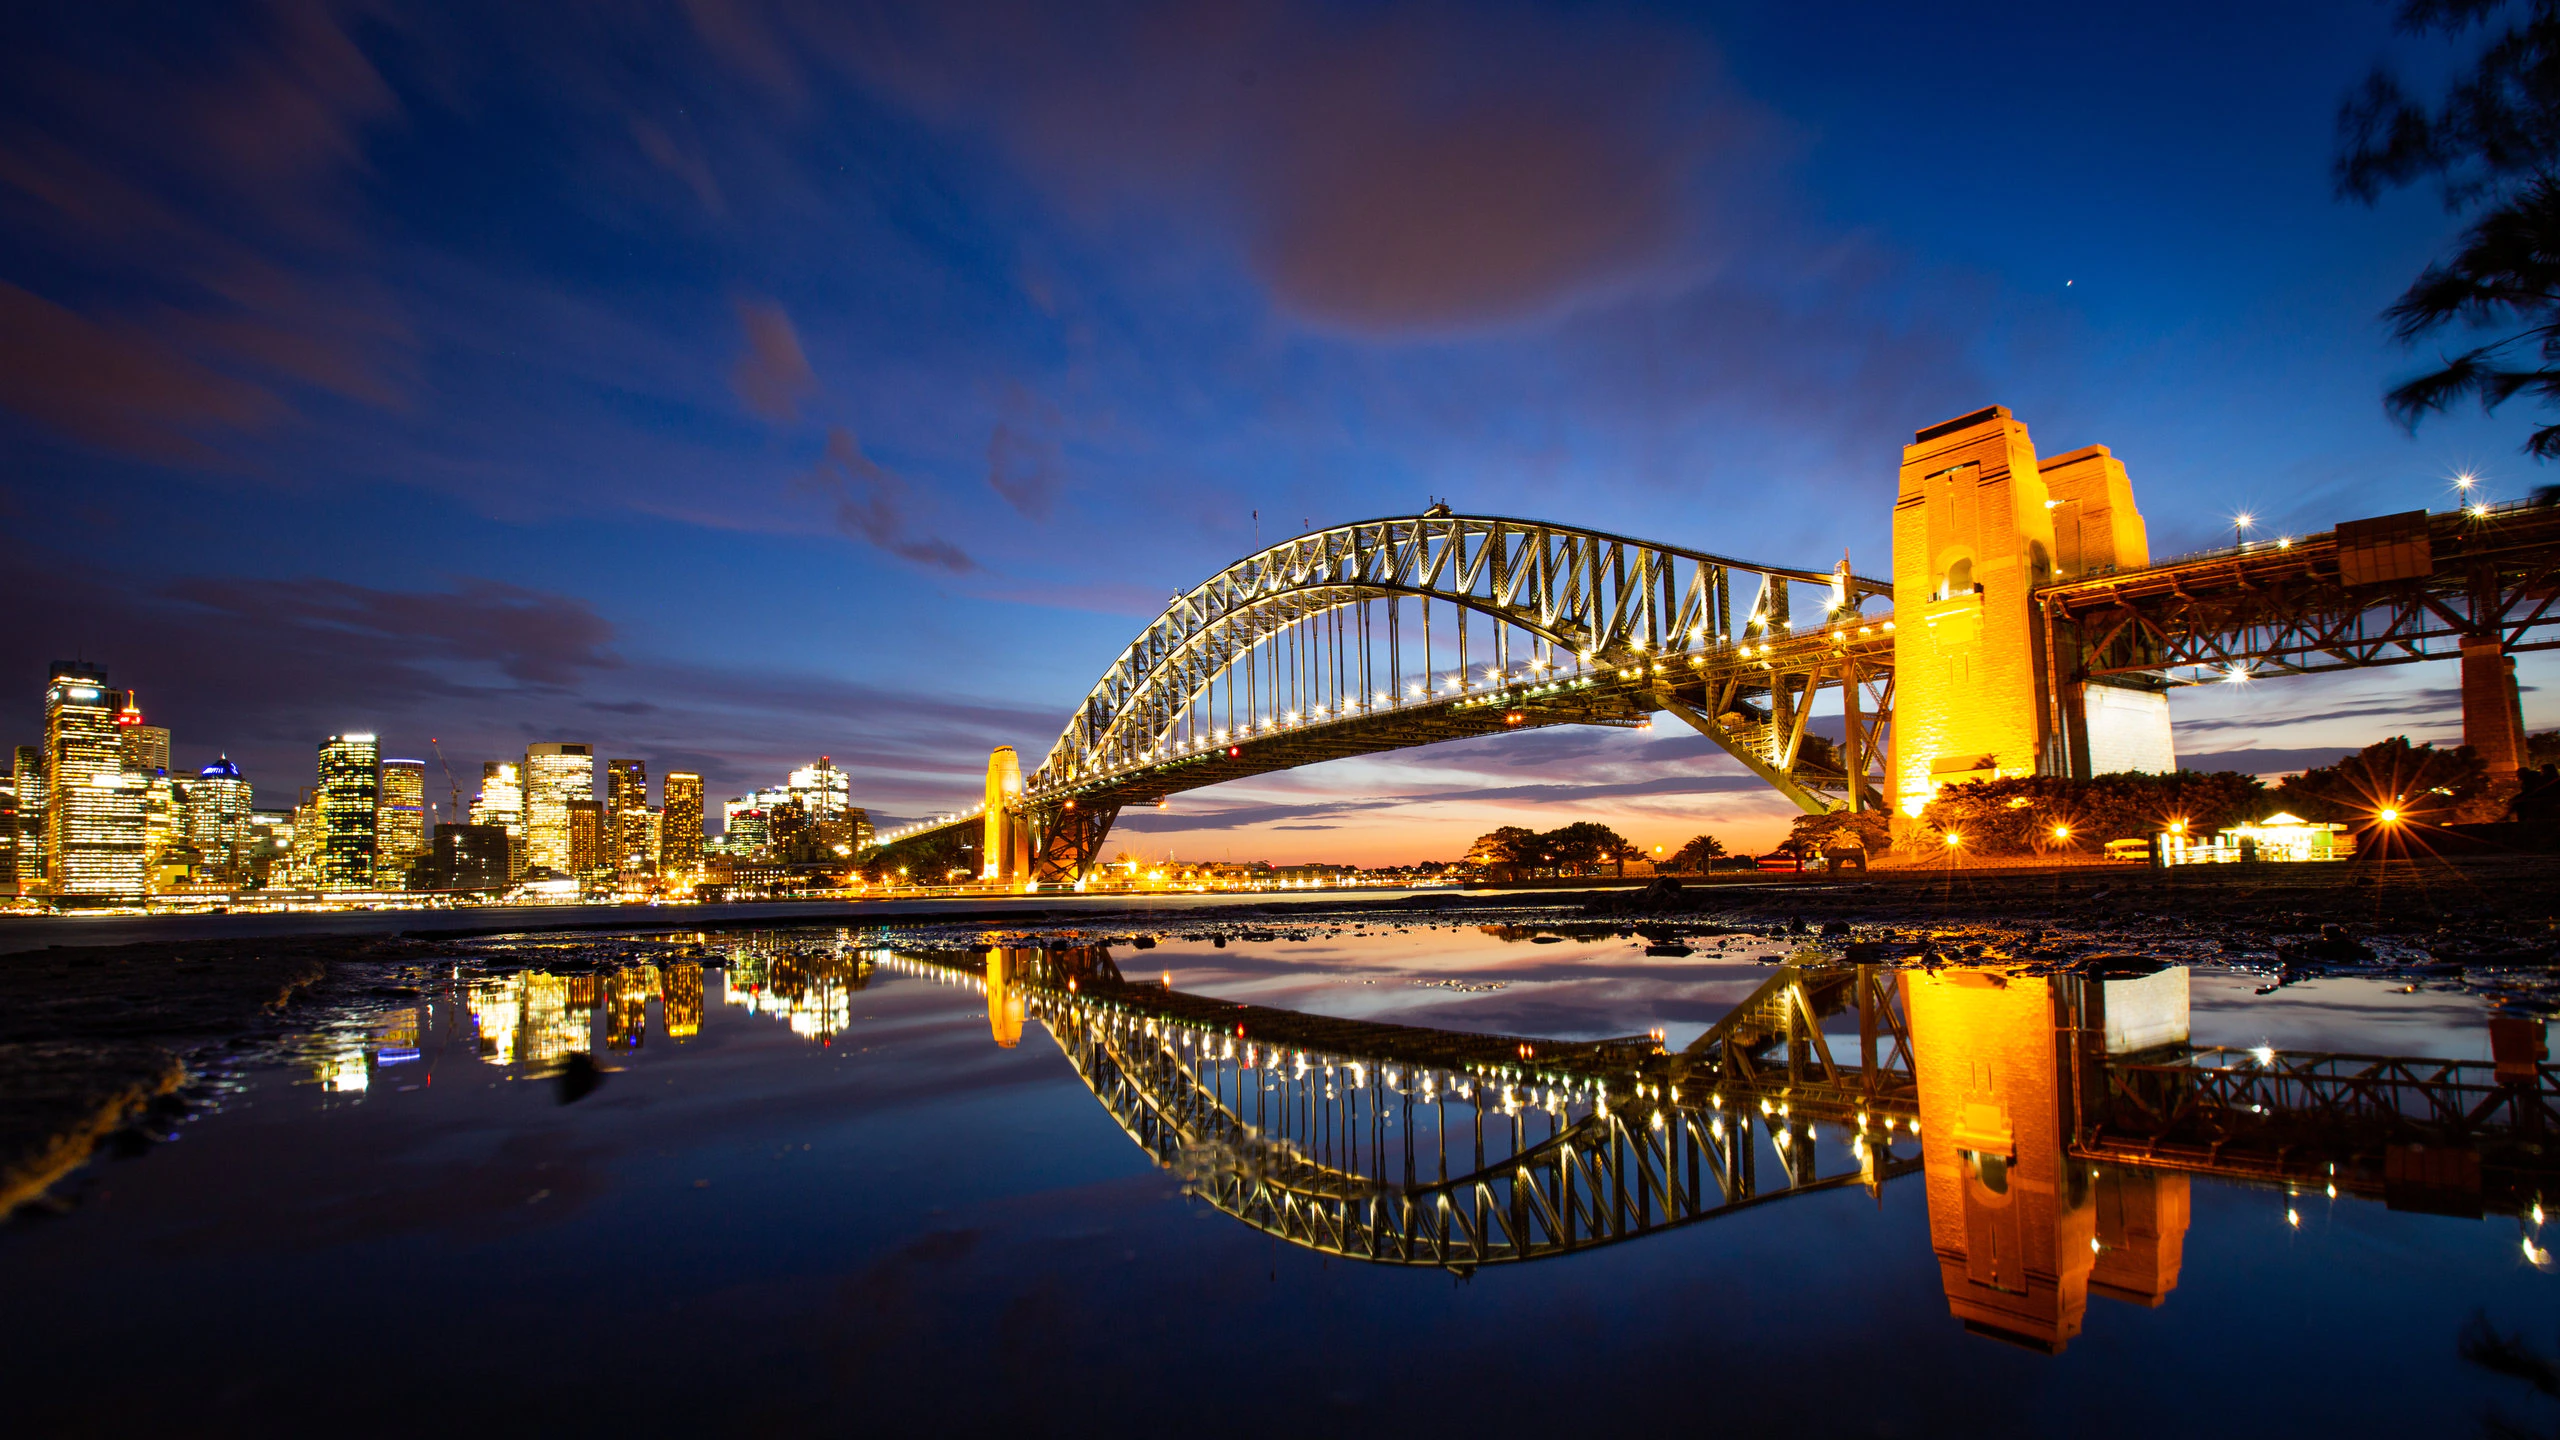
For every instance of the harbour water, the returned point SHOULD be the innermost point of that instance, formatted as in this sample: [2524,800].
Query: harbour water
[1341,1176]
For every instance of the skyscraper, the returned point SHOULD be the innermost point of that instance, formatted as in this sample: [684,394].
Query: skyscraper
[627,814]
[399,822]
[555,773]
[501,803]
[27,768]
[822,789]
[349,787]
[588,854]
[680,833]
[218,805]
[93,809]
[9,833]
[146,747]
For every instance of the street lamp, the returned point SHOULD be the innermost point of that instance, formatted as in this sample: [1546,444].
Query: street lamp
[2240,524]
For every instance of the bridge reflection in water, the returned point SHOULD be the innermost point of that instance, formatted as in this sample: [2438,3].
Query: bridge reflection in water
[2057,1118]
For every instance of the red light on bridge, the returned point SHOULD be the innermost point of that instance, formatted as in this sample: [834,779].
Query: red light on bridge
[1513,717]
[1234,750]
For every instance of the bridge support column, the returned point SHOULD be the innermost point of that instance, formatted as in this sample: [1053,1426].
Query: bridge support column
[1981,690]
[1004,858]
[2492,722]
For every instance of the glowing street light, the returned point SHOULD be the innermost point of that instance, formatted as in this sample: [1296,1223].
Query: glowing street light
[2061,832]
[2240,524]
[2388,815]
[2465,480]
[1954,839]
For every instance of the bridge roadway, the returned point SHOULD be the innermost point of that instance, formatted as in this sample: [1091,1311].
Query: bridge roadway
[1408,1145]
[2395,591]
[1303,653]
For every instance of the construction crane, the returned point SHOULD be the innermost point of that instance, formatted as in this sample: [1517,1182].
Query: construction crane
[450,783]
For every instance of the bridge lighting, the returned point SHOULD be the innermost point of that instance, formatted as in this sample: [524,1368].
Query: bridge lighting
[2388,815]
[2236,674]
[1954,839]
[2061,832]
[2477,512]
[2465,480]
[1415,689]
[2293,1217]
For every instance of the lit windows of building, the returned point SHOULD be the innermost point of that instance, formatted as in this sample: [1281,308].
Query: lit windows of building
[587,852]
[627,814]
[680,832]
[26,773]
[501,803]
[400,823]
[344,849]
[555,773]
[93,817]
[218,807]
[146,747]
[822,790]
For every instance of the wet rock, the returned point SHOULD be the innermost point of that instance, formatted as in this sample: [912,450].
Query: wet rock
[578,1078]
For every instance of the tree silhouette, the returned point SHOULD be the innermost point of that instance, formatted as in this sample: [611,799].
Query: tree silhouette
[2491,143]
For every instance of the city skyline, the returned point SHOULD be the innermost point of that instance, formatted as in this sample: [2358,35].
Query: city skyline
[810,411]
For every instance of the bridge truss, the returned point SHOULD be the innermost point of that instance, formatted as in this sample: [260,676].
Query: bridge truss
[1394,633]
[2291,607]
[1414,1146]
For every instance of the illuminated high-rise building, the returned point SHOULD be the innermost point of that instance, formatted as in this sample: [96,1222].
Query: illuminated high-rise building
[501,803]
[9,833]
[555,773]
[349,788]
[653,837]
[680,832]
[164,823]
[588,854]
[218,805]
[627,814]
[93,844]
[26,769]
[399,822]
[822,789]
[146,747]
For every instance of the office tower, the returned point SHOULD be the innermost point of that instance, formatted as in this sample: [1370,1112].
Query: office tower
[93,808]
[343,857]
[743,830]
[399,823]
[555,773]
[26,766]
[218,805]
[587,852]
[501,803]
[164,822]
[627,813]
[146,747]
[857,826]
[266,850]
[822,790]
[9,833]
[653,836]
[680,833]
[470,857]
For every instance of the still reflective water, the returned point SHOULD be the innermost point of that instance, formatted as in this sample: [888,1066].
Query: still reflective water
[1334,1177]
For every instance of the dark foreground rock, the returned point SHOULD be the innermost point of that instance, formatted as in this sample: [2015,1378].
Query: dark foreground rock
[92,1038]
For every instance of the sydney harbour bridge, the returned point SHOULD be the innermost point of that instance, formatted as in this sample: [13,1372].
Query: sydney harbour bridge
[2025,631]
[2056,1118]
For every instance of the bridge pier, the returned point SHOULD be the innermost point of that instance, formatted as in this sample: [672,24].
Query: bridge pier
[1983,688]
[2492,723]
[1005,857]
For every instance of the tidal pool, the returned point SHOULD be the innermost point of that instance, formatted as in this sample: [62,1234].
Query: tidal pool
[1339,1177]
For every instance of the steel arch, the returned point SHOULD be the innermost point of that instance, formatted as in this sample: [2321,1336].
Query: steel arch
[1599,596]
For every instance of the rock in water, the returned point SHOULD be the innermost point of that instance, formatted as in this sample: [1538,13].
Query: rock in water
[579,1077]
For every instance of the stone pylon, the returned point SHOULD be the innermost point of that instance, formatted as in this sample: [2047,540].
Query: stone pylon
[1005,855]
[1978,524]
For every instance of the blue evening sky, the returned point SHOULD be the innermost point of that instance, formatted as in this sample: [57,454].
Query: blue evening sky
[728,382]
